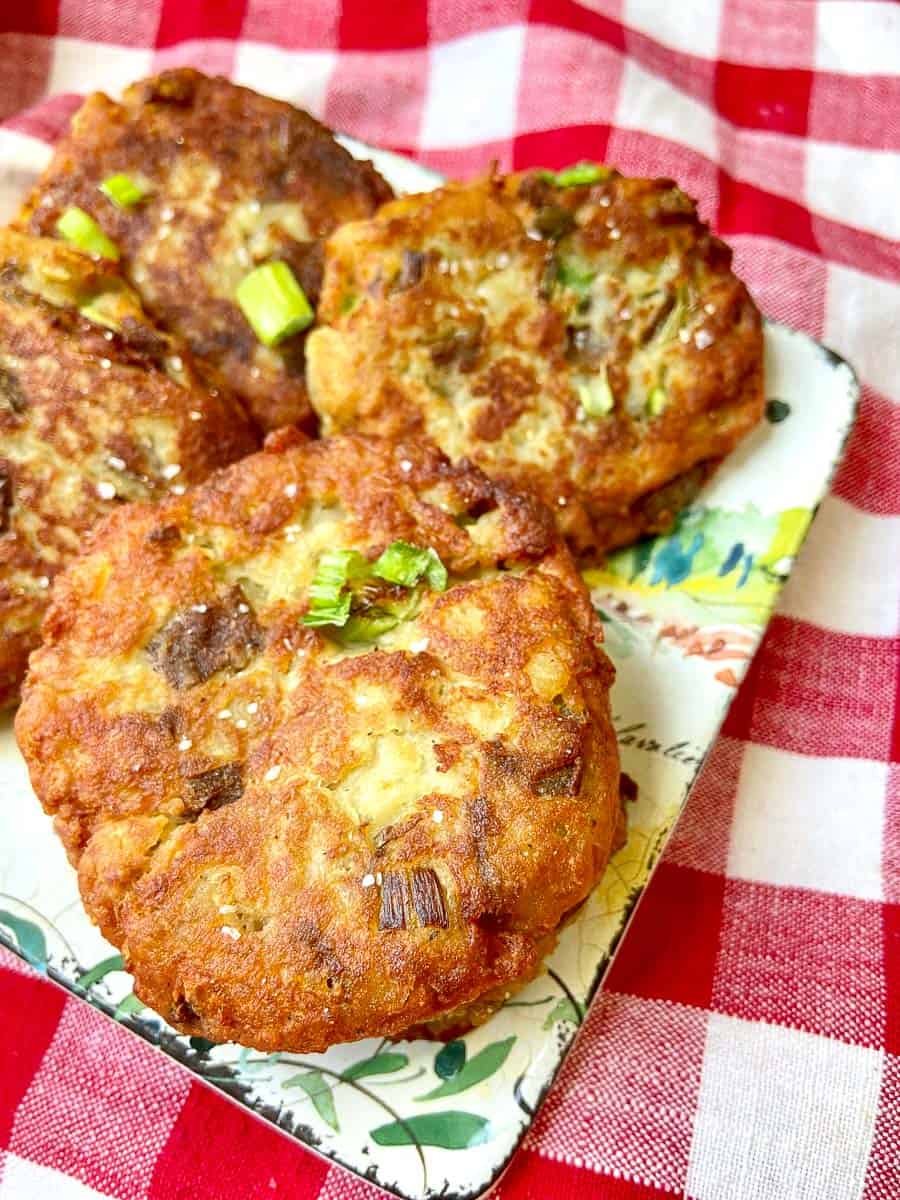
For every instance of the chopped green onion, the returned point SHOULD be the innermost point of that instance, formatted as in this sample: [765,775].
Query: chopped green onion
[406,564]
[401,563]
[77,227]
[96,311]
[657,400]
[582,173]
[371,622]
[335,613]
[577,176]
[122,190]
[575,275]
[274,303]
[596,395]
[435,573]
[553,222]
[329,604]
[673,322]
[366,627]
[349,301]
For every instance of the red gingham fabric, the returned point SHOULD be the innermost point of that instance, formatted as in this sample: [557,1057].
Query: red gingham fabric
[747,1046]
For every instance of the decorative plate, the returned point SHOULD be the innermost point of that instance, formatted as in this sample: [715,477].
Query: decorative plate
[683,616]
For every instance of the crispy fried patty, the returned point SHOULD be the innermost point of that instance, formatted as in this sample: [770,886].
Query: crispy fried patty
[304,835]
[96,407]
[233,179]
[589,343]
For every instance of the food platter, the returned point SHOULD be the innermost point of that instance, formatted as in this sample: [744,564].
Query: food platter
[683,615]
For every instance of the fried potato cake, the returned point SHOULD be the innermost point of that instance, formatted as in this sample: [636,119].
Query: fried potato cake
[229,179]
[586,341]
[315,802]
[96,407]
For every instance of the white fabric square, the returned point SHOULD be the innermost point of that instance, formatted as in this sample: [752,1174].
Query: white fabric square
[21,1179]
[22,158]
[858,37]
[473,87]
[809,822]
[690,25]
[80,66]
[862,321]
[843,580]
[648,103]
[781,1114]
[834,185]
[300,76]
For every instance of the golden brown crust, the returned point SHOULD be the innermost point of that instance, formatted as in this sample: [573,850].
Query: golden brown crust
[492,316]
[91,414]
[296,842]
[234,178]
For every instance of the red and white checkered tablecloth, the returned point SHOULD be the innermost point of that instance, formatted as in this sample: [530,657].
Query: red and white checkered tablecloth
[747,1046]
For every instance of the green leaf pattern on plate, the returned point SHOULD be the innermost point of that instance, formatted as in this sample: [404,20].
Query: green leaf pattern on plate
[482,1066]
[563,1010]
[29,938]
[380,1064]
[100,970]
[128,1006]
[450,1130]
[450,1059]
[319,1091]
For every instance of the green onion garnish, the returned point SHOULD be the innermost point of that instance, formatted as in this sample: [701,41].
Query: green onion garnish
[122,190]
[96,311]
[329,604]
[335,613]
[330,597]
[372,621]
[366,627]
[406,564]
[596,395]
[274,303]
[435,573]
[577,176]
[77,227]
[670,326]
[656,401]
[553,222]
[575,275]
